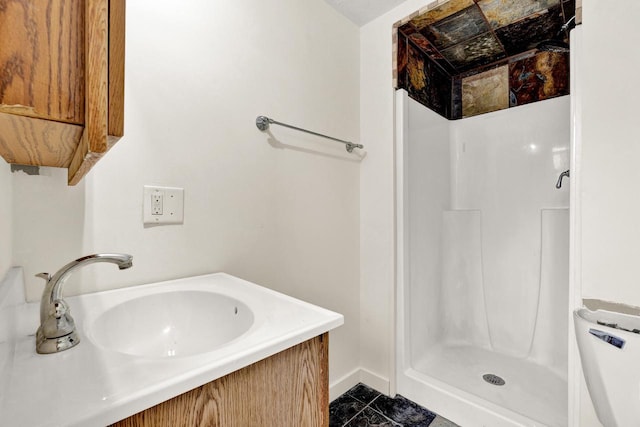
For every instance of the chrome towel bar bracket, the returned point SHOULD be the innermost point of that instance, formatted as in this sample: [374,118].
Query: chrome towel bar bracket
[263,122]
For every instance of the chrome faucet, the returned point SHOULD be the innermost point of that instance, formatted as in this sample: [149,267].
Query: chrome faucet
[57,331]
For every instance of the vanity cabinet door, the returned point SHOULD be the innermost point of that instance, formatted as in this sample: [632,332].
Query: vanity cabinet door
[61,81]
[290,388]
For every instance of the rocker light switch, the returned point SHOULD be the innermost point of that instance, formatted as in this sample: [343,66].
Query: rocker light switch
[163,205]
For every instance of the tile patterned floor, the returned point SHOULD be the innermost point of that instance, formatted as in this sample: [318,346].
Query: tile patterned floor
[362,406]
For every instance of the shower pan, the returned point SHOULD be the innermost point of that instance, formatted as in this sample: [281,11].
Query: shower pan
[483,263]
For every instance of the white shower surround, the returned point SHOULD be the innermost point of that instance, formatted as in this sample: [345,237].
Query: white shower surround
[485,215]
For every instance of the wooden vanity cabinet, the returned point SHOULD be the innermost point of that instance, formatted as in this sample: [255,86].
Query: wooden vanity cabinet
[61,82]
[290,388]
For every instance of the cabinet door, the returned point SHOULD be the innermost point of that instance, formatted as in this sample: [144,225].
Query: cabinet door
[42,59]
[104,84]
[290,388]
[61,82]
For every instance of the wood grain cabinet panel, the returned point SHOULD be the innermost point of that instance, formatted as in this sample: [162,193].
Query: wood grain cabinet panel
[290,388]
[61,81]
[42,57]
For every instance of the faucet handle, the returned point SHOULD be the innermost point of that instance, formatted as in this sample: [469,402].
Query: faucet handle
[45,276]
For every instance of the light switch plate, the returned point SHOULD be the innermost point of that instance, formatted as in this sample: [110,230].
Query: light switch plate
[163,205]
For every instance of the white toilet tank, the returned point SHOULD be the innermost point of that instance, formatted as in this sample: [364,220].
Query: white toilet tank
[610,354]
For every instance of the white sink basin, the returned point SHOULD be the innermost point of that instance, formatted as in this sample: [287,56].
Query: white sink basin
[171,324]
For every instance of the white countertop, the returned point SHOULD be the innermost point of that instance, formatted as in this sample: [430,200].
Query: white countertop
[91,386]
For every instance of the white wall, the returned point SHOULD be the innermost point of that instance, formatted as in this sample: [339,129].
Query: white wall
[377,265]
[6,219]
[609,176]
[48,223]
[610,152]
[279,209]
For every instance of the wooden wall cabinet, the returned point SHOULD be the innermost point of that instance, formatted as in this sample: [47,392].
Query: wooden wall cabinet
[290,388]
[61,82]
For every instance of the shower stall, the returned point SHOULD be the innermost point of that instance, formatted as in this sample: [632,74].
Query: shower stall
[483,263]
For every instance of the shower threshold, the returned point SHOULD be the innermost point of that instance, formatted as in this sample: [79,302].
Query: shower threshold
[529,389]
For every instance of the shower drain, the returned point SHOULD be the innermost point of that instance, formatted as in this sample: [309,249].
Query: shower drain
[493,379]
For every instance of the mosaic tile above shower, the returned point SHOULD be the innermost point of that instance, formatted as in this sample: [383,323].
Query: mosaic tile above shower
[480,50]
[500,13]
[440,12]
[485,92]
[538,78]
[427,83]
[529,32]
[447,53]
[456,28]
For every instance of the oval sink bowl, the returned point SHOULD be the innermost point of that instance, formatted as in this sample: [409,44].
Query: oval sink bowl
[171,324]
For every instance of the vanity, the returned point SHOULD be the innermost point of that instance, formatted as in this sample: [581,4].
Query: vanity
[209,350]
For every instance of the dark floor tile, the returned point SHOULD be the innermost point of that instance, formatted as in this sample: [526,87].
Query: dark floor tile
[403,411]
[343,409]
[363,393]
[371,418]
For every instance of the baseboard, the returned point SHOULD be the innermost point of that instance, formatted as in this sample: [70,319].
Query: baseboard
[374,381]
[358,375]
[337,388]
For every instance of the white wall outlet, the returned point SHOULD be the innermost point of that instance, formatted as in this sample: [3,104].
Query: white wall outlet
[156,202]
[163,205]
